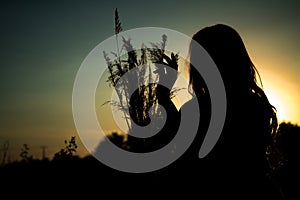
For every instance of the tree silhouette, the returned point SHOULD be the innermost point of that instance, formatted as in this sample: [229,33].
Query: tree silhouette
[68,151]
[25,153]
[4,150]
[288,173]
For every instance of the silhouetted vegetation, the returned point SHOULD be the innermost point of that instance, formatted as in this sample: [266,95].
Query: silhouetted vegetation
[68,151]
[287,174]
[25,153]
[147,96]
[137,106]
[3,150]
[66,168]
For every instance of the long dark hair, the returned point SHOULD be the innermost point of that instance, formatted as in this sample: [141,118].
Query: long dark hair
[239,74]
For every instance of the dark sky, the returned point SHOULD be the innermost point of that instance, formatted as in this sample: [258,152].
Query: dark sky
[43,44]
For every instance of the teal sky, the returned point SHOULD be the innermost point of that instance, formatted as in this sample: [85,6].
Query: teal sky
[43,44]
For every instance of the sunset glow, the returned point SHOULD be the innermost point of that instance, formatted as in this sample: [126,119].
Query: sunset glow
[43,46]
[284,97]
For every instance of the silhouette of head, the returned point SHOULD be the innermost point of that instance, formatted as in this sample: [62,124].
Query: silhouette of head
[227,49]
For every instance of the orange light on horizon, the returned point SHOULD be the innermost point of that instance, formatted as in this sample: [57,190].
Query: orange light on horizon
[283,95]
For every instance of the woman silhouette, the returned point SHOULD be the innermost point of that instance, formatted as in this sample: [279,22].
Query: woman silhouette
[238,162]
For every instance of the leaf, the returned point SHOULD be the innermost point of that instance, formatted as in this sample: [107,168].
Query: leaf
[118,27]
[113,53]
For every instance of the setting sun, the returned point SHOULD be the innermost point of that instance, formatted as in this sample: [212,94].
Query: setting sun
[278,102]
[282,95]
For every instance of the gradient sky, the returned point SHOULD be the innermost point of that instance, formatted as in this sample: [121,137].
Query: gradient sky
[43,44]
